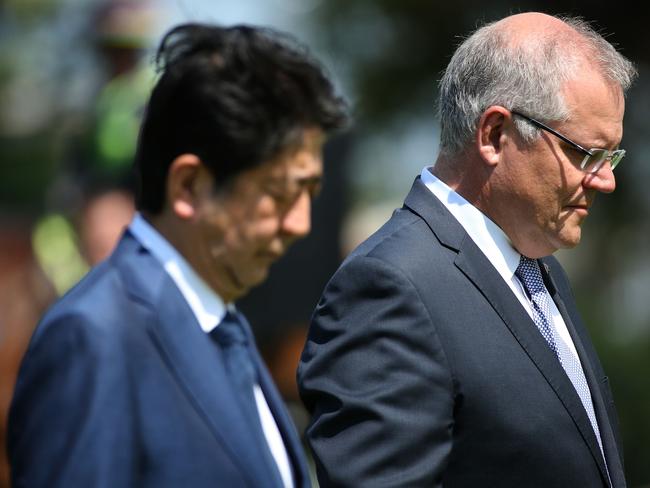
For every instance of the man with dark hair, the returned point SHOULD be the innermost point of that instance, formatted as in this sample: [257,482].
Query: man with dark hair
[145,373]
[447,350]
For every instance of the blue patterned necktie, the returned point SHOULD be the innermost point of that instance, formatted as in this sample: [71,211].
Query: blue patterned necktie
[530,276]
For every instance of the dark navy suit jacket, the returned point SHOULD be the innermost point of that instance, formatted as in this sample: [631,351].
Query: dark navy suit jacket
[120,387]
[422,368]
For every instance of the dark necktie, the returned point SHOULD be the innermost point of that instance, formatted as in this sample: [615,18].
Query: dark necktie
[242,374]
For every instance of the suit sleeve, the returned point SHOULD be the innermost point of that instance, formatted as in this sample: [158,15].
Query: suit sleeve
[69,420]
[376,381]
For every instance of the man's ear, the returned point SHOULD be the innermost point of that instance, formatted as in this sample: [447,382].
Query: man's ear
[187,182]
[491,132]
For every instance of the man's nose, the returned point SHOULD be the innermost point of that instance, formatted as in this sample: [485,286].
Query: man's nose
[602,180]
[297,220]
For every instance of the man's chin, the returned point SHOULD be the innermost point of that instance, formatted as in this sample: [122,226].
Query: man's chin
[259,277]
[246,283]
[571,240]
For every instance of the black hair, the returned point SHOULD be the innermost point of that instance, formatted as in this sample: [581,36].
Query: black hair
[235,97]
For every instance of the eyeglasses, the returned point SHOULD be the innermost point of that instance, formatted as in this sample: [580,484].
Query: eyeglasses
[594,158]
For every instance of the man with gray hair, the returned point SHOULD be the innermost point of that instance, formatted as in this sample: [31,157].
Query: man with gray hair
[447,350]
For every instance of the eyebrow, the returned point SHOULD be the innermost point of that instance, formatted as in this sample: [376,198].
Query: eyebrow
[310,180]
[312,184]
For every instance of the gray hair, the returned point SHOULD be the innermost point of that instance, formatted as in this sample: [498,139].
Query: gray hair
[488,69]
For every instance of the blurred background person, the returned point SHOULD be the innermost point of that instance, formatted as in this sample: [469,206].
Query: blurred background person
[90,199]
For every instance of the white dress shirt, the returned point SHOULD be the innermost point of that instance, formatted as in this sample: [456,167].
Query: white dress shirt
[209,310]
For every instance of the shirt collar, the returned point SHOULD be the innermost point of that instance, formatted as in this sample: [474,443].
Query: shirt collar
[207,306]
[488,236]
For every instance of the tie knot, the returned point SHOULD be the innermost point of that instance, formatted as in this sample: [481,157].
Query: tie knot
[230,331]
[530,275]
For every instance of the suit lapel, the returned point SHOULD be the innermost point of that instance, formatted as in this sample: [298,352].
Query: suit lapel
[604,422]
[478,269]
[194,358]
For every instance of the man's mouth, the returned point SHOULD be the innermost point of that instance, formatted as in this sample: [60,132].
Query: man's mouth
[582,210]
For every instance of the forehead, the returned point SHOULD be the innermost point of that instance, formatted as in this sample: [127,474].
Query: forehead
[596,109]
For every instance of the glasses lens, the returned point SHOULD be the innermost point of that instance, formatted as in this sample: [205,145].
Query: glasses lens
[593,163]
[616,157]
[598,157]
